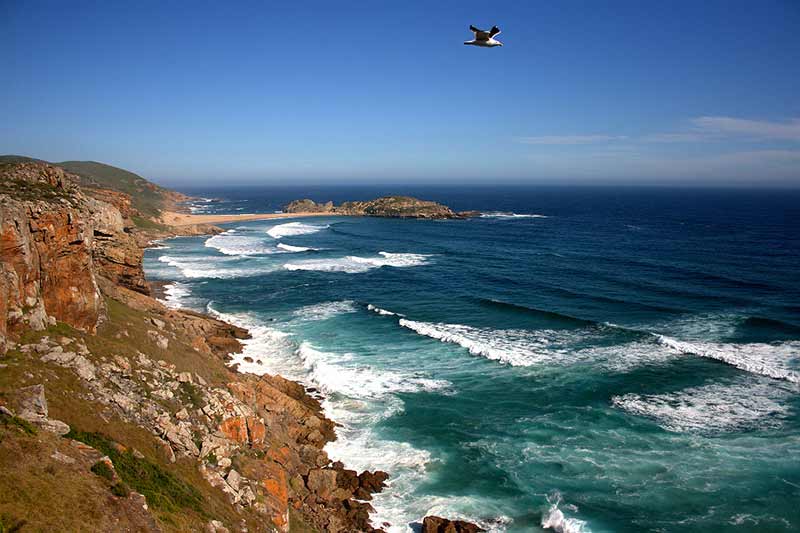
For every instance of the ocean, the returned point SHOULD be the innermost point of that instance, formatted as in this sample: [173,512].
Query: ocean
[574,360]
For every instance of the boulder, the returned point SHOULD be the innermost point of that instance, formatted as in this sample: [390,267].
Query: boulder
[322,482]
[435,524]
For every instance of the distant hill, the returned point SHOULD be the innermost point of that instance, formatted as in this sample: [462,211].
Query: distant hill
[147,197]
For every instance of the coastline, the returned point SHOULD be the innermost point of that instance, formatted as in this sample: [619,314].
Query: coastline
[171,218]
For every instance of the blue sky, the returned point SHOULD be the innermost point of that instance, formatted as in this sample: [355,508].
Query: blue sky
[332,92]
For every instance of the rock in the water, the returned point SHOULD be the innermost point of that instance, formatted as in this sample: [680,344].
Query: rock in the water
[386,206]
[435,524]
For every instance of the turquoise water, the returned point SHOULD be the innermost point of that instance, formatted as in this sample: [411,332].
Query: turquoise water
[610,361]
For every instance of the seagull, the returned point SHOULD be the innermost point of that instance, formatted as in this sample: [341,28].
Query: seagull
[484,38]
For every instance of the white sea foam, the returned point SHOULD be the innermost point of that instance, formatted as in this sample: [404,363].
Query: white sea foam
[357,397]
[212,267]
[354,265]
[231,243]
[746,404]
[335,373]
[504,215]
[294,249]
[293,228]
[175,294]
[269,350]
[511,346]
[325,310]
[382,311]
[555,519]
[771,360]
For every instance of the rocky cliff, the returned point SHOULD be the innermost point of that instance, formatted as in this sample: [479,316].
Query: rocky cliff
[386,206]
[126,409]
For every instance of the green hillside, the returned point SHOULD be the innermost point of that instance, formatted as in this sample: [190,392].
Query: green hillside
[146,196]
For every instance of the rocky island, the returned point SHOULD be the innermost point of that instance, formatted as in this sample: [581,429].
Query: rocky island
[386,206]
[128,410]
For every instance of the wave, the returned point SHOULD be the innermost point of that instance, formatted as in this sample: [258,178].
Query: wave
[209,267]
[380,311]
[513,347]
[555,519]
[175,294]
[230,243]
[295,249]
[354,264]
[509,215]
[769,327]
[711,409]
[764,359]
[294,228]
[268,350]
[325,310]
[335,374]
[539,313]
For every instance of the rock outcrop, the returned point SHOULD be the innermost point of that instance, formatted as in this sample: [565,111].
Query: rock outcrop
[72,258]
[435,524]
[55,241]
[386,206]
[46,244]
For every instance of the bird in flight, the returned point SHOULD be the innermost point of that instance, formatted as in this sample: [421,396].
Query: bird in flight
[484,38]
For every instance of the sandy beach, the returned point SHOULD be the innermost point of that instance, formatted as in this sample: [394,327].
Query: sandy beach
[182,219]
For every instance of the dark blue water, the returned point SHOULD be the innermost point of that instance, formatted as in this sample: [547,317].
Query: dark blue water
[615,360]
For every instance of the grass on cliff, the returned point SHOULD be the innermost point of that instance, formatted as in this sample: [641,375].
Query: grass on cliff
[163,483]
[163,490]
[147,197]
[26,191]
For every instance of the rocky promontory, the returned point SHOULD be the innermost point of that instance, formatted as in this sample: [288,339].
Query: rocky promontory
[385,206]
[126,410]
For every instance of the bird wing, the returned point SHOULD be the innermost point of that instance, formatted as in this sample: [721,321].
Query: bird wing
[480,35]
[494,31]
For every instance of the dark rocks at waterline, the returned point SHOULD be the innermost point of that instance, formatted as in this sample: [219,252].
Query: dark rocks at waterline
[436,524]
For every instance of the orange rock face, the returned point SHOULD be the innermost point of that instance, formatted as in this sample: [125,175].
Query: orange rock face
[257,431]
[45,252]
[277,497]
[54,240]
[235,429]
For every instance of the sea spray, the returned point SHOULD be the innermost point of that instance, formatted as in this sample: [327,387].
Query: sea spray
[553,517]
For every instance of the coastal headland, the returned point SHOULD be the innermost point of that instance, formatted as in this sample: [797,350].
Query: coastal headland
[128,410]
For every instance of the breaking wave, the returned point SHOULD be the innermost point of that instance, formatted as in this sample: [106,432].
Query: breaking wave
[325,310]
[175,294]
[209,267]
[513,347]
[293,228]
[380,311]
[764,359]
[268,350]
[231,243]
[353,264]
[335,374]
[509,215]
[555,519]
[295,249]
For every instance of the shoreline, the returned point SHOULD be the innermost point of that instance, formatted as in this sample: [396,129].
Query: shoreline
[172,218]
